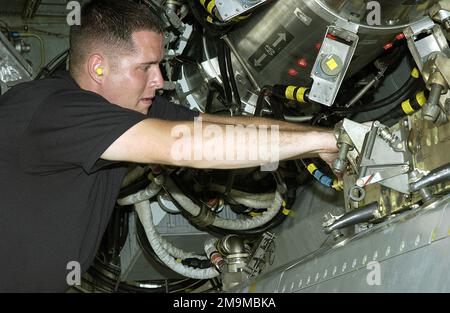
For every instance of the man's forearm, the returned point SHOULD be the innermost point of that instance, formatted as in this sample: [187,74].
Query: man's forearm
[228,146]
[246,120]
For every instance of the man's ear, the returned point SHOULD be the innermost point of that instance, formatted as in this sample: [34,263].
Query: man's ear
[96,67]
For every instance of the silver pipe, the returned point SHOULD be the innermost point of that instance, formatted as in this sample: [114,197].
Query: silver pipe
[364,214]
[431,109]
[242,62]
[438,175]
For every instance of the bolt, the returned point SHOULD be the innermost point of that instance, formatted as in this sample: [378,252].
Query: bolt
[399,146]
[447,24]
[360,182]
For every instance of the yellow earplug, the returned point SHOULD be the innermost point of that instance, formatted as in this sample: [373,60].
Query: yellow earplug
[99,71]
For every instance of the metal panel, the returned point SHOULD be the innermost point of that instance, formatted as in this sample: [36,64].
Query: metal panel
[13,68]
[411,250]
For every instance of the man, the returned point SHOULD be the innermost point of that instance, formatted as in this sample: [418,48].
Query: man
[65,141]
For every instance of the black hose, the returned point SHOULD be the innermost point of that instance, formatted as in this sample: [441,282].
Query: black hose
[396,111]
[224,73]
[237,98]
[215,29]
[213,89]
[399,93]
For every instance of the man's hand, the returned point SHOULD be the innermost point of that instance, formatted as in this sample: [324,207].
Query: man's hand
[328,157]
[331,149]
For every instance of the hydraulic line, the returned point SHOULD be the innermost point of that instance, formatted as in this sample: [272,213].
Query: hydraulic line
[320,176]
[248,223]
[145,215]
[407,107]
[438,175]
[360,215]
[148,193]
[296,93]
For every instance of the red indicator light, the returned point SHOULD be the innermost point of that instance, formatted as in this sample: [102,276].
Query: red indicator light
[292,72]
[388,46]
[400,36]
[302,63]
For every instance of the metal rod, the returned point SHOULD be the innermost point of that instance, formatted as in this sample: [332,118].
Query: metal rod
[363,214]
[242,62]
[438,175]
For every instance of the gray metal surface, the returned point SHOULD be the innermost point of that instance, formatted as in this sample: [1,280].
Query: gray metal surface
[13,67]
[307,21]
[410,251]
[228,9]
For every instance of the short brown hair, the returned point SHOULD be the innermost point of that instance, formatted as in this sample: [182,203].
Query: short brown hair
[109,23]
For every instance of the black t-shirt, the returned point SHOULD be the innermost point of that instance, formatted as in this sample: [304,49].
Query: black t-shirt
[56,195]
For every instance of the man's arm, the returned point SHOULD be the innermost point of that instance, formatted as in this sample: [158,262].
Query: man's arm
[183,144]
[328,157]
[246,120]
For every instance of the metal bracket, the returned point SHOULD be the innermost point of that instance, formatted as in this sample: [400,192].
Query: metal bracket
[356,131]
[228,9]
[382,174]
[422,47]
[332,62]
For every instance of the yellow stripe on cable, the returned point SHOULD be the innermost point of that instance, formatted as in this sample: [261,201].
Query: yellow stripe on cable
[209,19]
[415,73]
[301,94]
[336,185]
[311,168]
[406,107]
[202,2]
[211,6]
[286,211]
[421,99]
[289,93]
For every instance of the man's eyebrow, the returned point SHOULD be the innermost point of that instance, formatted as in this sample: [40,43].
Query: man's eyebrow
[150,63]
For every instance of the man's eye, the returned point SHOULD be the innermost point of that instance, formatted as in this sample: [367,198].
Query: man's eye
[145,68]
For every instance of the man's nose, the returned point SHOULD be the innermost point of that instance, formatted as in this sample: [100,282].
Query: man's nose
[157,80]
